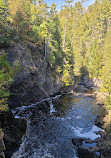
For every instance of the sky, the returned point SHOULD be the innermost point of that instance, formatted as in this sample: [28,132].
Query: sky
[61,3]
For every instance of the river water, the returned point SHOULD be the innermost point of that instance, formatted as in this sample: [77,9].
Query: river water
[53,122]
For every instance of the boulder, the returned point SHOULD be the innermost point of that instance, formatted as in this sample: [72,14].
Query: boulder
[77,141]
[86,148]
[85,152]
[88,83]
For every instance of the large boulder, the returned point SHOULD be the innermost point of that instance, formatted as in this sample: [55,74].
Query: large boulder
[77,141]
[86,148]
[85,152]
[88,82]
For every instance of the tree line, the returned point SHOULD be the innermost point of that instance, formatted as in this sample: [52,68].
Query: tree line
[75,41]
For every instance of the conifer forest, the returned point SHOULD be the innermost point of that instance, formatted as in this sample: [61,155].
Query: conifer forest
[74,41]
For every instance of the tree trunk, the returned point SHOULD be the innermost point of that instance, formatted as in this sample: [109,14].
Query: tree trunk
[45,47]
[65,33]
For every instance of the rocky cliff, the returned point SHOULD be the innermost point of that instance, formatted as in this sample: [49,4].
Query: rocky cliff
[36,78]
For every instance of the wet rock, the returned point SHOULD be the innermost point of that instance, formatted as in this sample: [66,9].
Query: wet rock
[77,141]
[105,149]
[13,130]
[106,152]
[104,145]
[99,121]
[102,133]
[86,148]
[89,141]
[85,152]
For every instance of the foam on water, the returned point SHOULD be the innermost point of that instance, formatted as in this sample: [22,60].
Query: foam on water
[91,134]
[52,110]
[17,111]
[49,134]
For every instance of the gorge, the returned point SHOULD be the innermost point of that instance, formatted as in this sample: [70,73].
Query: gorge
[55,79]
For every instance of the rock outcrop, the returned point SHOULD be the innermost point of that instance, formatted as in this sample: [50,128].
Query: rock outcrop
[86,148]
[13,130]
[36,78]
[2,146]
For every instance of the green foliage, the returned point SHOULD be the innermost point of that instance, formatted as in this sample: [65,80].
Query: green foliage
[86,38]
[6,79]
[66,78]
[94,60]
[7,35]
[3,12]
[106,70]
[108,102]
[75,42]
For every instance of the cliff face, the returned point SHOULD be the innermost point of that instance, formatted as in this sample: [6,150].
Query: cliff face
[35,80]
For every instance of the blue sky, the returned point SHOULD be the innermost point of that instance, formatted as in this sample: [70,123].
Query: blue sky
[61,3]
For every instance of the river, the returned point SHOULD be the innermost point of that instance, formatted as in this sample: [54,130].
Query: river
[53,122]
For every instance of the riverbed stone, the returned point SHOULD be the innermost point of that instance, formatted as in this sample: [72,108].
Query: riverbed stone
[85,152]
[77,141]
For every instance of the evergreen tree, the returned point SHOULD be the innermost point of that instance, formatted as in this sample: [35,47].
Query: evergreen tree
[6,79]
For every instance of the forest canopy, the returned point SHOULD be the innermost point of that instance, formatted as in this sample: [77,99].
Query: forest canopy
[74,40]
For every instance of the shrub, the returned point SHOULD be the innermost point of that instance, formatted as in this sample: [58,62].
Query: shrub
[6,79]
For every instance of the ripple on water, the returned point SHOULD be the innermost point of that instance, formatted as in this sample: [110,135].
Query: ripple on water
[51,136]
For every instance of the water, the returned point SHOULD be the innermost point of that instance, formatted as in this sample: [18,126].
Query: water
[52,123]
